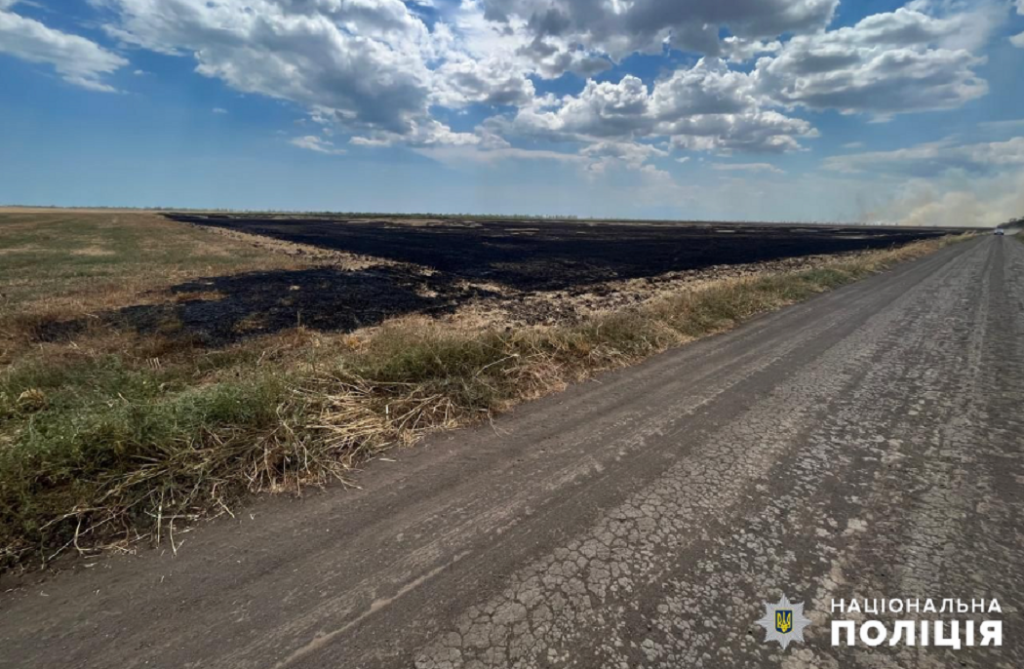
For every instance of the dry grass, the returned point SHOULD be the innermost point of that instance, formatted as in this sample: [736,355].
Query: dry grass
[110,445]
[61,266]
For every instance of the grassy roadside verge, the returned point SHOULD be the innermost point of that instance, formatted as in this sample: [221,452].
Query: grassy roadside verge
[110,450]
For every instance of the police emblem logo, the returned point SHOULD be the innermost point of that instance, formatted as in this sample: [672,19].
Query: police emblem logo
[784,622]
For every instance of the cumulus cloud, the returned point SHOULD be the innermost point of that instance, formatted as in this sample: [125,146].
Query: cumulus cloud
[363,61]
[464,80]
[622,28]
[754,131]
[1018,40]
[604,109]
[373,67]
[77,60]
[467,30]
[889,63]
[709,87]
[420,133]
[630,154]
[707,107]
[739,49]
[378,70]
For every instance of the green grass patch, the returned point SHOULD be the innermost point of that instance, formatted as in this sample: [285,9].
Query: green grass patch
[96,464]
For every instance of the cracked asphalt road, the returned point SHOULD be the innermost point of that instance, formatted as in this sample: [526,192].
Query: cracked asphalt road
[868,443]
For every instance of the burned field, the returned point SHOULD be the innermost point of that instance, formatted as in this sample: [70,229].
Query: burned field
[555,255]
[507,272]
[338,275]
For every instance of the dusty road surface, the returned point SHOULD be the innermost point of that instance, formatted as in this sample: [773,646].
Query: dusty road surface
[868,443]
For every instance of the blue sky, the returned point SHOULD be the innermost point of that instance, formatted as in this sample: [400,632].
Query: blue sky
[776,110]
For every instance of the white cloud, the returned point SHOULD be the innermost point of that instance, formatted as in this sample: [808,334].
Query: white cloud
[764,168]
[363,62]
[934,158]
[754,131]
[372,67]
[709,87]
[707,108]
[603,109]
[621,28]
[890,63]
[420,133]
[630,154]
[376,71]
[1018,40]
[739,49]
[514,42]
[463,80]
[76,59]
[219,110]
[314,143]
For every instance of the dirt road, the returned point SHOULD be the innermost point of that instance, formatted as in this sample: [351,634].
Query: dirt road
[868,443]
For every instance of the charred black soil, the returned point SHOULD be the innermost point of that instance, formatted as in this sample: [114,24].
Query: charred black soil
[528,272]
[556,255]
